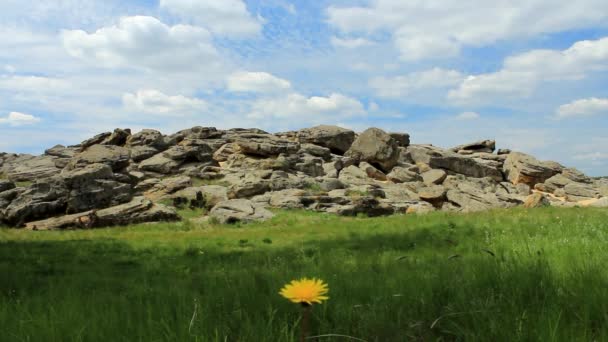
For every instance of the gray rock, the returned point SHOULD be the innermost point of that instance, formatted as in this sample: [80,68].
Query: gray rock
[523,168]
[138,210]
[114,156]
[434,177]
[33,168]
[402,139]
[147,138]
[435,195]
[503,151]
[403,175]
[118,138]
[287,199]
[266,145]
[239,210]
[472,167]
[337,139]
[6,185]
[249,186]
[372,172]
[580,191]
[424,153]
[212,194]
[161,164]
[61,151]
[43,199]
[354,175]
[139,153]
[316,150]
[479,146]
[368,206]
[536,200]
[375,147]
[168,186]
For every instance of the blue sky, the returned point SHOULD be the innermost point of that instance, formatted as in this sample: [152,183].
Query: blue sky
[531,74]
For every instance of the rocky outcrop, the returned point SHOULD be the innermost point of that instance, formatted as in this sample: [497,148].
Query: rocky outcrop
[239,210]
[375,147]
[337,139]
[235,175]
[523,168]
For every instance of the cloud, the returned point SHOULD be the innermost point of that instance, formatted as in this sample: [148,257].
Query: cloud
[583,107]
[33,84]
[305,109]
[467,116]
[400,86]
[350,43]
[225,17]
[440,28]
[521,74]
[256,82]
[16,119]
[144,42]
[155,102]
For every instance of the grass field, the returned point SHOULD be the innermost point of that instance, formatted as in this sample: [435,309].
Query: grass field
[506,275]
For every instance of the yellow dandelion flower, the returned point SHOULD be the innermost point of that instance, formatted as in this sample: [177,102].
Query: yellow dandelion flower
[305,291]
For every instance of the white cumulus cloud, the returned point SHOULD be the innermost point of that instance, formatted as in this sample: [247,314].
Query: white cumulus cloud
[583,107]
[33,84]
[223,17]
[144,42]
[302,108]
[350,43]
[467,116]
[16,119]
[155,102]
[257,82]
[399,86]
[521,74]
[440,28]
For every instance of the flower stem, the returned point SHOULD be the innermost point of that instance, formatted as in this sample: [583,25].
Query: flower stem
[305,326]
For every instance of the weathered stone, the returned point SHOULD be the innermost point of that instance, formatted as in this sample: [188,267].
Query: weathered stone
[434,195]
[472,167]
[33,168]
[248,187]
[61,151]
[6,185]
[375,147]
[403,175]
[118,137]
[372,172]
[354,175]
[434,177]
[536,200]
[212,194]
[287,199]
[168,186]
[224,152]
[239,210]
[580,191]
[266,145]
[148,138]
[503,151]
[424,153]
[161,164]
[139,153]
[522,168]
[479,146]
[402,139]
[114,156]
[96,140]
[337,139]
[43,199]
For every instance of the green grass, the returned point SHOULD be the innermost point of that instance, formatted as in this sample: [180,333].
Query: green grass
[203,182]
[505,275]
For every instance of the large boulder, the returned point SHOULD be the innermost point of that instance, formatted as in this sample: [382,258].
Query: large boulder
[337,139]
[168,186]
[160,163]
[138,210]
[468,166]
[402,139]
[435,176]
[375,147]
[266,145]
[580,191]
[114,156]
[94,187]
[6,185]
[42,199]
[403,175]
[522,168]
[148,138]
[487,146]
[239,210]
[536,200]
[29,168]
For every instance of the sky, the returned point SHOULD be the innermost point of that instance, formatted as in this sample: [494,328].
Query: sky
[531,74]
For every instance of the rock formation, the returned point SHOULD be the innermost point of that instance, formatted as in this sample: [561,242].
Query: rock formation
[118,178]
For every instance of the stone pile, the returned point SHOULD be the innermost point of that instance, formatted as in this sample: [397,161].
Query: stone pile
[118,178]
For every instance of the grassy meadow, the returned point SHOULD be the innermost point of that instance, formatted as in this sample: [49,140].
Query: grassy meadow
[504,275]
